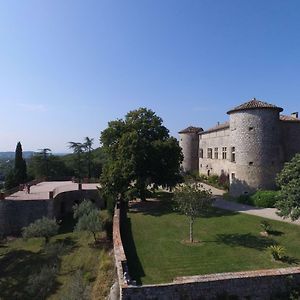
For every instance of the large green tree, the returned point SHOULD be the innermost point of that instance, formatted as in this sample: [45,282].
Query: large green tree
[20,169]
[140,152]
[288,180]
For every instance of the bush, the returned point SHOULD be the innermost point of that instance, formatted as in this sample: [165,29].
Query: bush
[277,252]
[213,179]
[107,223]
[40,284]
[264,198]
[244,199]
[44,227]
[266,226]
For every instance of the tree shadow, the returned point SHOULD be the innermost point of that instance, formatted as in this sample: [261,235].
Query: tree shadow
[16,266]
[275,232]
[290,260]
[246,240]
[135,267]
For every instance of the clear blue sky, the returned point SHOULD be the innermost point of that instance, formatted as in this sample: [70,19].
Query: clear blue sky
[69,67]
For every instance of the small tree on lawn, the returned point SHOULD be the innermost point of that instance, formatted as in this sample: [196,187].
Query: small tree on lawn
[288,180]
[44,227]
[192,199]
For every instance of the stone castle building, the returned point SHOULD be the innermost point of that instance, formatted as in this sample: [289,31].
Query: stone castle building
[250,148]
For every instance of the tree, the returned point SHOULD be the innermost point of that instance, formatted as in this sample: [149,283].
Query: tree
[44,153]
[192,199]
[20,165]
[140,152]
[84,208]
[89,218]
[90,222]
[78,150]
[88,147]
[288,199]
[44,227]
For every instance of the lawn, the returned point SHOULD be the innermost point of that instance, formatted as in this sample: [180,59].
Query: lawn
[19,259]
[154,240]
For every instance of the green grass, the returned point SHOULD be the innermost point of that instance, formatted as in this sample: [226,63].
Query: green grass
[19,259]
[156,252]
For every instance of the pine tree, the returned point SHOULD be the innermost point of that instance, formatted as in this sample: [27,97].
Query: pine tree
[20,165]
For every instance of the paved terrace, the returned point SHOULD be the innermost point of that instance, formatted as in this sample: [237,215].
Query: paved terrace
[41,190]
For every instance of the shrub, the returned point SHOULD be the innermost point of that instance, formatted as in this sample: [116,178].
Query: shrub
[40,284]
[264,198]
[277,252]
[245,199]
[44,227]
[213,179]
[84,208]
[266,226]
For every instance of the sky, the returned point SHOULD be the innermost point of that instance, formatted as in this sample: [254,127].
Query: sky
[69,67]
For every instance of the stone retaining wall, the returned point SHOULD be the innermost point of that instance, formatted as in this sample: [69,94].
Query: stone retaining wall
[17,214]
[259,284]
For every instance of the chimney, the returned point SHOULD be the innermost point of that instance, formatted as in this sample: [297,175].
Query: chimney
[294,115]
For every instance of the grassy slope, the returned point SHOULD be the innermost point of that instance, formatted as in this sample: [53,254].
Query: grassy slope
[19,259]
[230,242]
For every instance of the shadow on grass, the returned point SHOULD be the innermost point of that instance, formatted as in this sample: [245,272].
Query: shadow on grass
[16,266]
[290,260]
[158,208]
[275,232]
[246,240]
[136,270]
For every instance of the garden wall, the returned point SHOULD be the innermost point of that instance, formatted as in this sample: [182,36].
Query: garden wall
[15,214]
[260,284]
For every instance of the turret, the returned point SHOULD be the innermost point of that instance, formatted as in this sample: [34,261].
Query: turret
[189,142]
[254,146]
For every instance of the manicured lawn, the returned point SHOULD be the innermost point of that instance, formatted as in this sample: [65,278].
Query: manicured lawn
[156,252]
[19,259]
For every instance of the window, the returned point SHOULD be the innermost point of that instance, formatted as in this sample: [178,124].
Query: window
[224,152]
[201,153]
[233,154]
[209,152]
[232,176]
[216,153]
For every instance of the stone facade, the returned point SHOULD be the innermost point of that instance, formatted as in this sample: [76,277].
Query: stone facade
[250,149]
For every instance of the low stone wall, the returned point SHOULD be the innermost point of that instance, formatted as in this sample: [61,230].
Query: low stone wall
[14,215]
[259,284]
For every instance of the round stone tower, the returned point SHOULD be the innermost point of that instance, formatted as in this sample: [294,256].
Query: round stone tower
[254,146]
[189,142]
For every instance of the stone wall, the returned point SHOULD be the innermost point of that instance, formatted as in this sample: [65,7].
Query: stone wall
[260,284]
[15,214]
[242,285]
[291,138]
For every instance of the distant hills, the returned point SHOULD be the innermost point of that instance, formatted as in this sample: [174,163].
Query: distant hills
[26,154]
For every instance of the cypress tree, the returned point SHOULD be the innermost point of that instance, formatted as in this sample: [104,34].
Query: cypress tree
[20,165]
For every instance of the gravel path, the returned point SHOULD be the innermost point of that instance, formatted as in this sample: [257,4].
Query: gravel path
[269,213]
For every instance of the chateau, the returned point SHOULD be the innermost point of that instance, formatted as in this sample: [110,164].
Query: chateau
[250,148]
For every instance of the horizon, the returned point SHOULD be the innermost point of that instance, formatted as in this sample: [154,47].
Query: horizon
[68,68]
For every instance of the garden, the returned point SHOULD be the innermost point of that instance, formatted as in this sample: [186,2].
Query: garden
[155,240]
[66,264]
